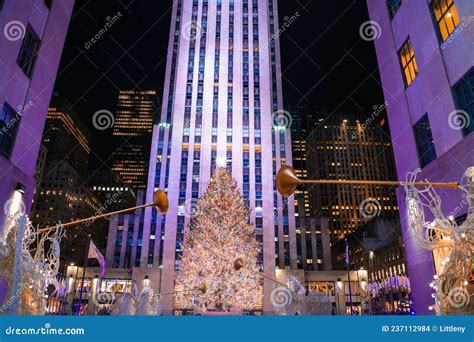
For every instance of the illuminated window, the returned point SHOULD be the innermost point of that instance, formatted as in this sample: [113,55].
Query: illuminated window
[446,17]
[393,6]
[408,62]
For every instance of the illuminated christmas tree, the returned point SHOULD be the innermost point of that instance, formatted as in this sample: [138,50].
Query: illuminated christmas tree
[219,234]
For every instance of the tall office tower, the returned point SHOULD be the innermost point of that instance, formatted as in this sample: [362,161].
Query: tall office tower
[63,196]
[303,121]
[133,125]
[65,136]
[222,93]
[62,193]
[426,62]
[111,190]
[32,39]
[344,146]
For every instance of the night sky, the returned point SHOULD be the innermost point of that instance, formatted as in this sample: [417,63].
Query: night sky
[324,60]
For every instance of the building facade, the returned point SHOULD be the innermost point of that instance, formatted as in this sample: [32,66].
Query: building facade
[303,122]
[222,92]
[30,51]
[65,136]
[344,147]
[62,192]
[106,185]
[378,248]
[426,61]
[125,238]
[133,125]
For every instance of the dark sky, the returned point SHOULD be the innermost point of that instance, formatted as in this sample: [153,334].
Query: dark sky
[324,60]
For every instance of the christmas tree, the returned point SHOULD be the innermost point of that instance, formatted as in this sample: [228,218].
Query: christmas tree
[219,234]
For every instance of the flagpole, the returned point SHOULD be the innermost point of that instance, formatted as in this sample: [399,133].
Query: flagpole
[86,258]
[348,275]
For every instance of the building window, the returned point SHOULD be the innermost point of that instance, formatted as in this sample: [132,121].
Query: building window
[393,6]
[424,141]
[29,52]
[464,93]
[9,123]
[446,17]
[408,62]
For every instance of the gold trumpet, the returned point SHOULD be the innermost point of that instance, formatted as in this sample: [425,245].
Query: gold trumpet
[287,181]
[160,202]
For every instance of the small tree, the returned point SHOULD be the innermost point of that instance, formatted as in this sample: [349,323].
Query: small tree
[219,234]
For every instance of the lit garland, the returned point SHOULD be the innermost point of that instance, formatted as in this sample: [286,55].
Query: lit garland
[451,283]
[219,234]
[28,274]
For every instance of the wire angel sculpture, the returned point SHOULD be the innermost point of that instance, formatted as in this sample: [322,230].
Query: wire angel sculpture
[293,300]
[29,263]
[145,303]
[316,303]
[443,234]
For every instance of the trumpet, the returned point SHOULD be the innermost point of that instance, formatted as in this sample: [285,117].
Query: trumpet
[287,181]
[160,202]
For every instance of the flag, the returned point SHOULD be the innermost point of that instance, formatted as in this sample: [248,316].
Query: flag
[347,253]
[94,253]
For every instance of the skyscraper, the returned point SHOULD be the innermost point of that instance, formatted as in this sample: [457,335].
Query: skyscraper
[62,192]
[30,50]
[303,121]
[350,146]
[222,106]
[133,123]
[426,63]
[65,136]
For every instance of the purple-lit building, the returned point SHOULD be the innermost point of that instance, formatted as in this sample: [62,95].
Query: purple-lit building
[31,41]
[221,106]
[426,59]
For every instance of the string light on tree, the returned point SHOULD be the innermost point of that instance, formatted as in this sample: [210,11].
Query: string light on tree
[219,234]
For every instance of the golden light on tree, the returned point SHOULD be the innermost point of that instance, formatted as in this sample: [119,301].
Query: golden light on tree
[218,235]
